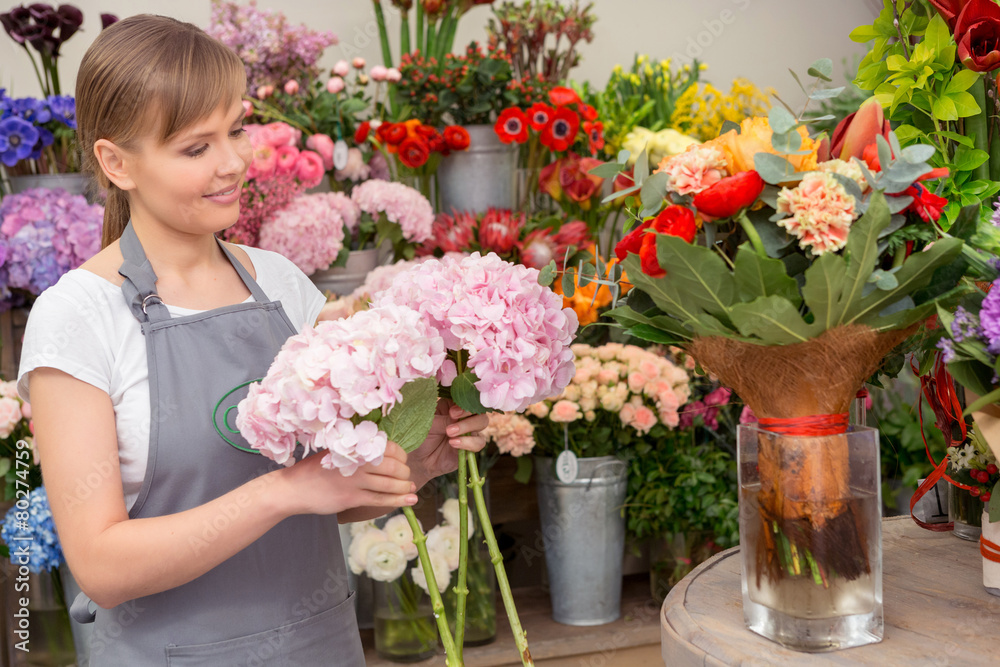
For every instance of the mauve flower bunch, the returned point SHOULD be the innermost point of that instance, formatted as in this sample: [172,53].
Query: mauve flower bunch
[511,334]
[398,204]
[329,374]
[36,533]
[619,393]
[310,230]
[43,234]
[272,49]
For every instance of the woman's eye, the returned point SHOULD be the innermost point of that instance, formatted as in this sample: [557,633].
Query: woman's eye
[236,133]
[195,152]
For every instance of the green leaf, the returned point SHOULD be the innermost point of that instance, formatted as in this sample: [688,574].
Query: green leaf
[863,33]
[774,169]
[826,93]
[968,160]
[654,190]
[780,120]
[606,170]
[548,274]
[698,272]
[982,402]
[623,156]
[954,136]
[965,104]
[621,193]
[663,293]
[944,108]
[465,394]
[961,81]
[641,170]
[409,421]
[786,143]
[937,36]
[655,335]
[862,251]
[821,69]
[823,288]
[773,319]
[994,506]
[918,153]
[758,276]
[525,466]
[569,282]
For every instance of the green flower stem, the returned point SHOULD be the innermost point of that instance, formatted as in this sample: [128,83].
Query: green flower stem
[404,34]
[34,64]
[491,540]
[449,24]
[432,37]
[383,34]
[752,234]
[994,126]
[420,28]
[976,127]
[461,587]
[453,658]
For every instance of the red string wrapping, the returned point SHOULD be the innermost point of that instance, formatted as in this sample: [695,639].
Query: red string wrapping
[989,550]
[811,425]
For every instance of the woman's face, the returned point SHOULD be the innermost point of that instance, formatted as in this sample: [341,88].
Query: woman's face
[192,182]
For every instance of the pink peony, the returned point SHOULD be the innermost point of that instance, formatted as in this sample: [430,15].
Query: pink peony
[285,158]
[342,68]
[400,204]
[359,63]
[280,134]
[335,85]
[265,162]
[291,87]
[393,75]
[379,73]
[694,170]
[747,416]
[821,210]
[309,231]
[323,145]
[309,169]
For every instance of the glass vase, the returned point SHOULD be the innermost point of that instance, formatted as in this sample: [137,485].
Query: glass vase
[811,537]
[42,626]
[405,630]
[966,512]
[672,557]
[481,603]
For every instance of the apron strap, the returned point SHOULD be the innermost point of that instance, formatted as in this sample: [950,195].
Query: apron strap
[139,287]
[255,290]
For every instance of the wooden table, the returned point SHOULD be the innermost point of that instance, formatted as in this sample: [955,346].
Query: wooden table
[936,610]
[611,644]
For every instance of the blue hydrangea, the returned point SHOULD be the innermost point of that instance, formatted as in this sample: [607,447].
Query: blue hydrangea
[32,532]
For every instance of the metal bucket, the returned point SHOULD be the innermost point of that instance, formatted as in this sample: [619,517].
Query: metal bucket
[584,534]
[75,183]
[481,177]
[343,280]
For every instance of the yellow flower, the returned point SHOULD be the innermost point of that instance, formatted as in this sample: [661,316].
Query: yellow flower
[658,145]
[617,69]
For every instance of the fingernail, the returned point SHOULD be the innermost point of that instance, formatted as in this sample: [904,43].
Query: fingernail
[455,442]
[452,430]
[411,500]
[413,487]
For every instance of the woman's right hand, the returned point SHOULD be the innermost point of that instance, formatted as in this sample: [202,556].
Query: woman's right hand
[313,489]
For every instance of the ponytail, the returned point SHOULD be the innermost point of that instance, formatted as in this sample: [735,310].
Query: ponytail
[116,215]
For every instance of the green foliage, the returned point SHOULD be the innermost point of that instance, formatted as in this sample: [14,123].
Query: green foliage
[409,422]
[902,456]
[465,394]
[676,485]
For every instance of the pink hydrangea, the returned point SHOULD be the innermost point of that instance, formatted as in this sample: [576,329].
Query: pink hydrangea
[330,373]
[512,433]
[309,231]
[694,170]
[516,333]
[401,204]
[821,212]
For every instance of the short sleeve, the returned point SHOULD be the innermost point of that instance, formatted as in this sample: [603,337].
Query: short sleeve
[63,332]
[282,281]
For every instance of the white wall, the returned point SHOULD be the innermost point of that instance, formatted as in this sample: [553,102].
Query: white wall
[758,39]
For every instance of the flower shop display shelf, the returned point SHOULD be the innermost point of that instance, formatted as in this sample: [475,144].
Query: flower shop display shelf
[936,610]
[631,640]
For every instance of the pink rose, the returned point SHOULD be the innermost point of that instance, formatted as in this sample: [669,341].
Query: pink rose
[379,73]
[718,397]
[10,415]
[291,87]
[636,382]
[277,135]
[342,68]
[393,75]
[264,92]
[565,411]
[287,157]
[323,145]
[747,416]
[265,161]
[644,419]
[309,169]
[359,63]
[334,85]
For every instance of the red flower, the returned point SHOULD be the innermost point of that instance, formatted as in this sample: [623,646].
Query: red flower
[361,134]
[560,134]
[425,131]
[512,126]
[576,180]
[589,113]
[595,135]
[538,249]
[539,116]
[858,131]
[728,196]
[413,152]
[632,241]
[438,144]
[647,257]
[548,180]
[560,96]
[949,9]
[499,230]
[449,234]
[977,33]
[574,234]
[673,221]
[926,204]
[394,134]
[457,137]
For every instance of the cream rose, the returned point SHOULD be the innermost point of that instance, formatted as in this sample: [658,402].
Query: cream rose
[357,554]
[386,561]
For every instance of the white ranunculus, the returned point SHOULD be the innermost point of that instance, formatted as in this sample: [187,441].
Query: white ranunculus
[442,573]
[450,512]
[357,554]
[361,526]
[409,550]
[445,540]
[398,530]
[386,561]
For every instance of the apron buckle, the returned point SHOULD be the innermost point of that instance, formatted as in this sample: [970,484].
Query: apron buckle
[147,298]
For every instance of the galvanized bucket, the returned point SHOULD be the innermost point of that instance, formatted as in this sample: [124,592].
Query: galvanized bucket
[584,534]
[481,177]
[343,280]
[74,183]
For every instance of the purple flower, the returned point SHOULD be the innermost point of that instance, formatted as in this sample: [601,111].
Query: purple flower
[32,110]
[63,109]
[996,215]
[108,19]
[17,140]
[965,325]
[947,350]
[989,318]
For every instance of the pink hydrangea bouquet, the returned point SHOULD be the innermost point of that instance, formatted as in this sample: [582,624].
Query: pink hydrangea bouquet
[279,173]
[311,230]
[392,213]
[16,436]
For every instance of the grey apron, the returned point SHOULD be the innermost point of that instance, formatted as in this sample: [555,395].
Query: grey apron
[283,600]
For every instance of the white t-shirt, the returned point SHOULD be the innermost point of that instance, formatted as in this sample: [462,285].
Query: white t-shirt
[83,327]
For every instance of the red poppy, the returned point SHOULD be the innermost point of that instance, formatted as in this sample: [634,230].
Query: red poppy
[647,257]
[560,96]
[539,116]
[560,134]
[595,135]
[425,131]
[589,113]
[394,134]
[438,144]
[457,137]
[926,204]
[728,196]
[361,134]
[673,221]
[512,126]
[632,241]
[413,152]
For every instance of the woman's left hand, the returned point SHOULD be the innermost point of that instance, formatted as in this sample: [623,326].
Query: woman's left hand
[453,428]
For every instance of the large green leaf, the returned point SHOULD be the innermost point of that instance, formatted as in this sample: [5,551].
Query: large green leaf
[465,394]
[862,251]
[631,319]
[772,319]
[698,272]
[757,276]
[663,293]
[409,421]
[824,285]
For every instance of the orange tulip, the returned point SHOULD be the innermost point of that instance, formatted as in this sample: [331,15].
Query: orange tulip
[858,131]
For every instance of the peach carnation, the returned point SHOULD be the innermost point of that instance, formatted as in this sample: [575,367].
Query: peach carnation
[821,212]
[565,411]
[696,169]
[851,170]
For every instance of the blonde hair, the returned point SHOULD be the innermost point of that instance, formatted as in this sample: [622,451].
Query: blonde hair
[148,72]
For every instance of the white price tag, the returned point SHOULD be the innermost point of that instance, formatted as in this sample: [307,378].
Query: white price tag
[340,154]
[566,467]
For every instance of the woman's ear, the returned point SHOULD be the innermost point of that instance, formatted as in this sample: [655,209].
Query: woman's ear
[114,162]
